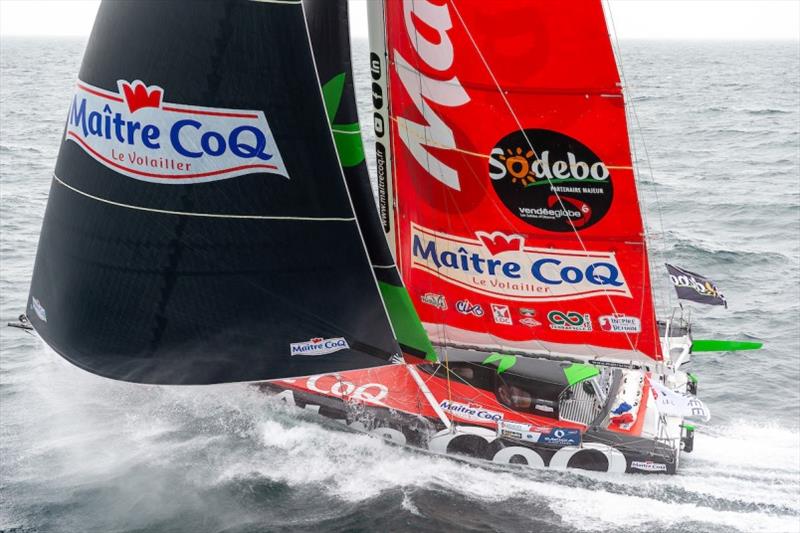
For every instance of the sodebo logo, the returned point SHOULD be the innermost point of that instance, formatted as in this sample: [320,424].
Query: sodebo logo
[136,133]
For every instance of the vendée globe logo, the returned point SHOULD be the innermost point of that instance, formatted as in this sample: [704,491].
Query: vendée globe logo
[136,133]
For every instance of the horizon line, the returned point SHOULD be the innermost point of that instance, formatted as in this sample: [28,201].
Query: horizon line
[364,37]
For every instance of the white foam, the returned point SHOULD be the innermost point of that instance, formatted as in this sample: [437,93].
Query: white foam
[90,431]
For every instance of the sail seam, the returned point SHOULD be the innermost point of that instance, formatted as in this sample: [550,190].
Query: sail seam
[202,215]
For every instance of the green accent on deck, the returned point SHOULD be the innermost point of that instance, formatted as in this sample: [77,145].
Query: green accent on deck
[405,321]
[702,345]
[504,362]
[691,377]
[687,427]
[577,372]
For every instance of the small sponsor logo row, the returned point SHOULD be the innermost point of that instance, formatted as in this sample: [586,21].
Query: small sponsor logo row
[556,319]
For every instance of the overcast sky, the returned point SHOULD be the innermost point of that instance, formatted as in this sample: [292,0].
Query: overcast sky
[634,19]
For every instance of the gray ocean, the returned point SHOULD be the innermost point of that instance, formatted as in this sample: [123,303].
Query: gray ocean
[718,147]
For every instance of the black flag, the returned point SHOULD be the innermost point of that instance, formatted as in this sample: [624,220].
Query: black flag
[694,287]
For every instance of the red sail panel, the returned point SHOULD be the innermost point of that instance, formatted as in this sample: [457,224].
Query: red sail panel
[518,223]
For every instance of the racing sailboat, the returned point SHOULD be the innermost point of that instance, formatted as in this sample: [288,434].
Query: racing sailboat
[211,220]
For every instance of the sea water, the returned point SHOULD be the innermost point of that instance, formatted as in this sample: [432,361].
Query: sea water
[717,143]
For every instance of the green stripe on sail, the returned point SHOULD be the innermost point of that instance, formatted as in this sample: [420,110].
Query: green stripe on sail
[349,145]
[332,94]
[405,320]
[347,128]
[347,137]
[703,345]
[577,372]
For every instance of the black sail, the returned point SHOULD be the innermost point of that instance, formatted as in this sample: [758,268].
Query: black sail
[328,27]
[215,241]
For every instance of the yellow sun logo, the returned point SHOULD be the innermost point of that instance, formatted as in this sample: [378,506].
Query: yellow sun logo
[519,166]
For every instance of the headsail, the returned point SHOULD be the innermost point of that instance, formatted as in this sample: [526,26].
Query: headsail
[517,223]
[330,37]
[199,228]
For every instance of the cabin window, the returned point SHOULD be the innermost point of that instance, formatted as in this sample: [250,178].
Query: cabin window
[514,397]
[525,395]
[464,372]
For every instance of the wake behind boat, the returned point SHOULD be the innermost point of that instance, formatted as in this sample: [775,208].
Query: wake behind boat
[496,302]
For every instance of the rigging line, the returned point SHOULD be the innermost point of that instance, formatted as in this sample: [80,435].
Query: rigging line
[344,178]
[202,215]
[631,108]
[530,145]
[428,155]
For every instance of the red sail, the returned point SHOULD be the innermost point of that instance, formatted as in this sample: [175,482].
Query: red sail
[516,223]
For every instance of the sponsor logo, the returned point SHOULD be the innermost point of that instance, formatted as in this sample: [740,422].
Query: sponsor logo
[334,385]
[569,321]
[465,307]
[39,309]
[528,319]
[649,466]
[383,188]
[318,346]
[526,432]
[446,440]
[562,437]
[502,314]
[435,51]
[619,323]
[704,288]
[136,133]
[436,300]
[549,180]
[473,413]
[544,435]
[502,266]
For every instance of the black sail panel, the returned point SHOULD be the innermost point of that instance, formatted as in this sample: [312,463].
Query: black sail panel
[198,228]
[328,27]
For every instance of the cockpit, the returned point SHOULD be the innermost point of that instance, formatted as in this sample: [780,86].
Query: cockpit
[553,389]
